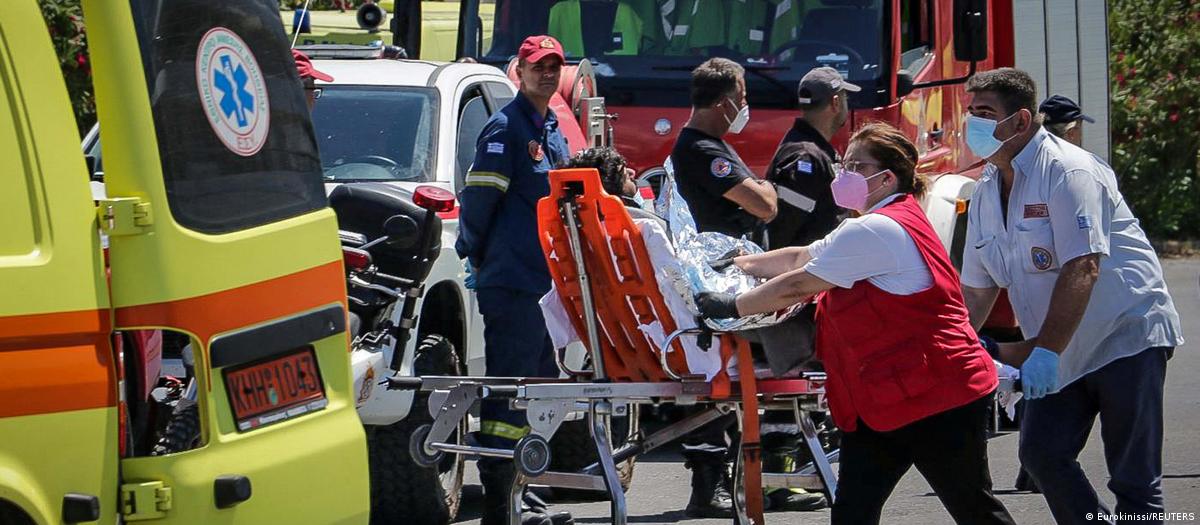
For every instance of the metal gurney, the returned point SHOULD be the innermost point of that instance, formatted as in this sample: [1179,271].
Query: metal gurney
[600,267]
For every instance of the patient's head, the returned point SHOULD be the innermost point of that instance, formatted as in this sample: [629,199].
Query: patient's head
[615,176]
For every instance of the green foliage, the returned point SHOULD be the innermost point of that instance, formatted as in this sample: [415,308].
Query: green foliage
[1155,111]
[64,20]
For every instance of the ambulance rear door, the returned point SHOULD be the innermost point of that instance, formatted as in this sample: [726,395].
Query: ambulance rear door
[220,229]
[58,403]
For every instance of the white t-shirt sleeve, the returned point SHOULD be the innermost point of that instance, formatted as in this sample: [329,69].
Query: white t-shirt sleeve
[853,252]
[1080,215]
[974,273]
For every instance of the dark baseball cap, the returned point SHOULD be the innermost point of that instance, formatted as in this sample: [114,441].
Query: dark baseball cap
[1059,110]
[821,84]
[537,47]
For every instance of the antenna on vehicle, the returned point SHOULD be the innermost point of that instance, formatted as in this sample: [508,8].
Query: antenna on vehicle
[296,30]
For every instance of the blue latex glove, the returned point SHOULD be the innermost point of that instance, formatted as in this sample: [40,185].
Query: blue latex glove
[469,280]
[1039,373]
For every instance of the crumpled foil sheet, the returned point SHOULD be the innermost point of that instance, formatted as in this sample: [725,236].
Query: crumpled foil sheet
[695,250]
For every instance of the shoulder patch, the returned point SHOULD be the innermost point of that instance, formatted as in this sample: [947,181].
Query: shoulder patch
[721,167]
[804,166]
[1083,221]
[495,147]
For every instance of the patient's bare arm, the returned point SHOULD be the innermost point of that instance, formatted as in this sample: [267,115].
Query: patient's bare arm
[771,264]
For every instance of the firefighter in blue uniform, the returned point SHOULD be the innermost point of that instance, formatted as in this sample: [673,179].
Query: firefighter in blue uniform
[497,234]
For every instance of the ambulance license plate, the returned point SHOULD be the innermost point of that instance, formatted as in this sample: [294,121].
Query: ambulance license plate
[275,390]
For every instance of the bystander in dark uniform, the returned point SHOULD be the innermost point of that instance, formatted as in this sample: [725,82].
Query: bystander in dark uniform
[802,171]
[724,196]
[498,235]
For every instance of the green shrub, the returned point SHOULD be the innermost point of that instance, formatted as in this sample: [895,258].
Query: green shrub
[64,20]
[1155,111]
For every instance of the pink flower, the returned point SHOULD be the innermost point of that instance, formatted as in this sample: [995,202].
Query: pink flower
[1174,117]
[1170,77]
[80,60]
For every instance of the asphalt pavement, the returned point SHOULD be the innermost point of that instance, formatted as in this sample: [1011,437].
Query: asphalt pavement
[661,483]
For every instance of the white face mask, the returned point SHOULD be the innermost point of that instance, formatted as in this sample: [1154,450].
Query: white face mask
[739,121]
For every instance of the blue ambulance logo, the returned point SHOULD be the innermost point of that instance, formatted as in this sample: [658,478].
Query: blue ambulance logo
[232,91]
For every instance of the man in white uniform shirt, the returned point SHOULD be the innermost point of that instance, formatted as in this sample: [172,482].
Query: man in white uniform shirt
[1047,223]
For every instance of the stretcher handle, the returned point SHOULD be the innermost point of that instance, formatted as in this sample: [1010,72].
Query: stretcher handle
[560,356]
[402,383]
[665,350]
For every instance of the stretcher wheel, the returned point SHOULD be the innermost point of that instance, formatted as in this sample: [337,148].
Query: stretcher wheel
[416,448]
[532,455]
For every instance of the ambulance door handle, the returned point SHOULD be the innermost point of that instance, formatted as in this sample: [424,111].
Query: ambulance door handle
[230,490]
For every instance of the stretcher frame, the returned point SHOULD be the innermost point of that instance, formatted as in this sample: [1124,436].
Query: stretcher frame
[581,229]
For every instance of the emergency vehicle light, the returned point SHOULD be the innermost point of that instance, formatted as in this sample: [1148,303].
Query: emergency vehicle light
[356,259]
[433,199]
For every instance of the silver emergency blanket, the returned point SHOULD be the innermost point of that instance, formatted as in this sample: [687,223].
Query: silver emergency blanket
[695,250]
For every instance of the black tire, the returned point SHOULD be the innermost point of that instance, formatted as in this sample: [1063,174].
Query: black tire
[403,492]
[11,514]
[572,449]
[182,431]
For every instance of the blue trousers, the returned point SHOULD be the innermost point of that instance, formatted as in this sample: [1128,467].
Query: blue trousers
[1127,394]
[516,344]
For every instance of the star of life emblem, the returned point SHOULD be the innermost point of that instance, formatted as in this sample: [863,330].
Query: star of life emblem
[233,93]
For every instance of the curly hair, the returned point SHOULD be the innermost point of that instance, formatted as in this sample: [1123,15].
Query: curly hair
[608,162]
[894,152]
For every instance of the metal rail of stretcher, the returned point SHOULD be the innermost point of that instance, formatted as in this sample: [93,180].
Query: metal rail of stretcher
[548,402]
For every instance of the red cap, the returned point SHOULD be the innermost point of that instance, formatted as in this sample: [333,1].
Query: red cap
[537,47]
[305,69]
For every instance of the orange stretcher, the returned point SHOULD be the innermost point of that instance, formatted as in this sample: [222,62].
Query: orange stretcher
[602,272]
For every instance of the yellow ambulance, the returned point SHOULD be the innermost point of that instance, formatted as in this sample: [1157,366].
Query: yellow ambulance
[217,228]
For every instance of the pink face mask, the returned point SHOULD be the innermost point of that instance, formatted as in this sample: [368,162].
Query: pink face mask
[850,189]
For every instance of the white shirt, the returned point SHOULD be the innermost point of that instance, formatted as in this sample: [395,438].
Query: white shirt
[1065,204]
[872,247]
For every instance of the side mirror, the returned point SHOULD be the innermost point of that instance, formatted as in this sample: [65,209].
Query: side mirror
[970,30]
[401,230]
[904,83]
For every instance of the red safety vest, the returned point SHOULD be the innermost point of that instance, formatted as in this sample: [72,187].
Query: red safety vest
[894,359]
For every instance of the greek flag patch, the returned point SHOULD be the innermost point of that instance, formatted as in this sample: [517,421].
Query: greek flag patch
[803,166]
[1084,222]
[495,147]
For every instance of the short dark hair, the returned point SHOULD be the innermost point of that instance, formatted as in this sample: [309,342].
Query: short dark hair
[714,80]
[1016,88]
[608,162]
[894,152]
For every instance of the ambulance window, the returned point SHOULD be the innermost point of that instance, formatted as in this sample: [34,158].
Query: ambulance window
[17,184]
[916,31]
[234,137]
[470,123]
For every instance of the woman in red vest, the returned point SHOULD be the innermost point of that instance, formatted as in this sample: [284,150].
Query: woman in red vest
[908,382]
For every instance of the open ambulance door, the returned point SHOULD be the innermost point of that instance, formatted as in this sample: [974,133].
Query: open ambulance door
[58,403]
[219,229]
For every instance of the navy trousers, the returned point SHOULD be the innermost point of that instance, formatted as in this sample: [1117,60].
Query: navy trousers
[1127,394]
[516,344]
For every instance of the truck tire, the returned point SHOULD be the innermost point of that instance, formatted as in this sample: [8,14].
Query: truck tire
[182,431]
[572,449]
[11,514]
[403,492]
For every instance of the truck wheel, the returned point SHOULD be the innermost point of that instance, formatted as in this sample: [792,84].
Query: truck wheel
[572,449]
[11,514]
[182,431]
[402,491]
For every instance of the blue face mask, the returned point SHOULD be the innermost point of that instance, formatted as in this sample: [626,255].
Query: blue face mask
[981,135]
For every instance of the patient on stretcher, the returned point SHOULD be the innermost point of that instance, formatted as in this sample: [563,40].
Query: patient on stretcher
[680,258]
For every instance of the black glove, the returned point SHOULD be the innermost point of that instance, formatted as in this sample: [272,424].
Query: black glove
[716,305]
[992,347]
[725,261]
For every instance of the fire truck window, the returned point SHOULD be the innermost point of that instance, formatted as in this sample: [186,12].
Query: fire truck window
[470,123]
[916,28]
[234,136]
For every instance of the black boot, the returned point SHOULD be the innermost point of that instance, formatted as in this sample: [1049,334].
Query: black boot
[710,489]
[497,480]
[537,504]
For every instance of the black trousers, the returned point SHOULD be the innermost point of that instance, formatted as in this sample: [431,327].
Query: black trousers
[950,451]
